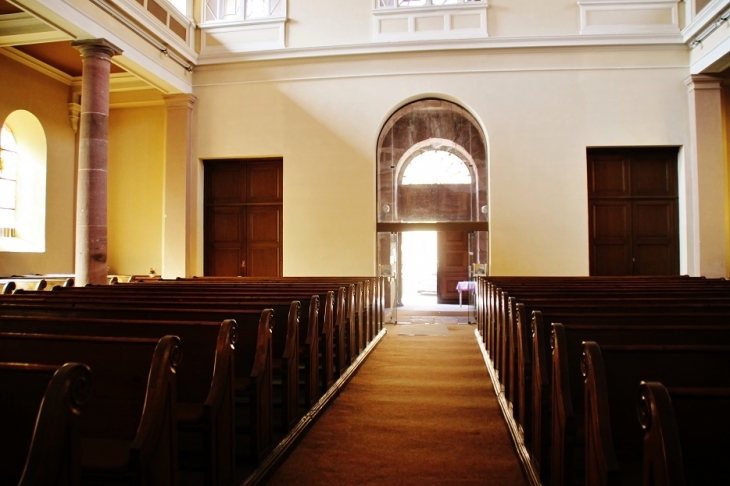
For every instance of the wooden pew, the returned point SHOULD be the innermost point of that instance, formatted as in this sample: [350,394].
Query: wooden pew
[567,397]
[532,377]
[685,434]
[286,354]
[41,406]
[613,374]
[127,429]
[370,296]
[335,326]
[12,285]
[506,324]
[252,354]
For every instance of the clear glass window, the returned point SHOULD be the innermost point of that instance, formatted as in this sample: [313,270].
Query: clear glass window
[423,3]
[8,180]
[436,167]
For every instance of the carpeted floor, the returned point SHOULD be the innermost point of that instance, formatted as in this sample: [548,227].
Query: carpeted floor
[421,410]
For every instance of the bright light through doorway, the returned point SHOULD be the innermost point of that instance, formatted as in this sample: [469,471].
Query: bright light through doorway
[418,253]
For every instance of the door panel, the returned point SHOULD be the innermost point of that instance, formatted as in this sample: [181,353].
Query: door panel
[226,184]
[224,230]
[264,183]
[611,259]
[264,243]
[656,246]
[633,217]
[243,218]
[610,223]
[608,175]
[453,263]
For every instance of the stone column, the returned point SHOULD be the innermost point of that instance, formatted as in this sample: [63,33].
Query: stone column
[91,202]
[179,235]
[707,250]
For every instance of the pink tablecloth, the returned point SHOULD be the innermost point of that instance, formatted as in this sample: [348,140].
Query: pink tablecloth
[465,286]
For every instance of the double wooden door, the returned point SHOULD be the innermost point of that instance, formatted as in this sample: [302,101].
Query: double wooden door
[633,211]
[243,218]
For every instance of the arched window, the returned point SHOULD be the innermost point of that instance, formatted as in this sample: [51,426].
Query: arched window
[23,184]
[436,167]
[8,181]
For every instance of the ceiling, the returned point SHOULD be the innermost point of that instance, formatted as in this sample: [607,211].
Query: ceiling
[59,54]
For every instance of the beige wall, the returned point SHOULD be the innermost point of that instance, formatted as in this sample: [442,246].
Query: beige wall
[46,98]
[135,189]
[726,122]
[540,109]
[324,23]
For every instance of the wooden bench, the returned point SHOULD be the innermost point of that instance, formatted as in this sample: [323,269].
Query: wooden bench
[252,355]
[613,435]
[329,341]
[541,377]
[566,394]
[682,428]
[369,296]
[127,429]
[315,339]
[42,405]
[519,350]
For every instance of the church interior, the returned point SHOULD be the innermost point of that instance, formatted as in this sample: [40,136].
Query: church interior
[575,142]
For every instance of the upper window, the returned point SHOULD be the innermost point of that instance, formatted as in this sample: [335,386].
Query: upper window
[436,167]
[180,5]
[8,181]
[231,10]
[423,3]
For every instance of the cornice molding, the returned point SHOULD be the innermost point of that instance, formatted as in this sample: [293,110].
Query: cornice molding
[35,64]
[704,18]
[639,40]
[24,28]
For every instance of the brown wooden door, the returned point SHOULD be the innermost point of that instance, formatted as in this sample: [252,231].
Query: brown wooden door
[633,212]
[243,218]
[453,264]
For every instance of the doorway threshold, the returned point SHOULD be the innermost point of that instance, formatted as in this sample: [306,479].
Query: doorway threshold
[450,312]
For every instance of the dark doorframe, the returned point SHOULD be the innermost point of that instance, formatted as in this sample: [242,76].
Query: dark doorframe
[243,233]
[633,211]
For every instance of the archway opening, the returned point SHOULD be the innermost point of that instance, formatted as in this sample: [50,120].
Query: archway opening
[432,177]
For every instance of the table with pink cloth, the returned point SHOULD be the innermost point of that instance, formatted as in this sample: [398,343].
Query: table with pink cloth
[465,286]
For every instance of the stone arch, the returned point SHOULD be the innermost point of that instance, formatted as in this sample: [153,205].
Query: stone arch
[420,124]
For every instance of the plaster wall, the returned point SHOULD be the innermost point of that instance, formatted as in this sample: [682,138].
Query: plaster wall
[540,109]
[726,164]
[135,189]
[26,89]
[319,23]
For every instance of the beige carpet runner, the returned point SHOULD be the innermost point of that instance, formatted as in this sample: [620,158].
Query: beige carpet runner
[421,410]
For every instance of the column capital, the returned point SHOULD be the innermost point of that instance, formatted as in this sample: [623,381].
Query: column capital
[179,100]
[703,81]
[101,48]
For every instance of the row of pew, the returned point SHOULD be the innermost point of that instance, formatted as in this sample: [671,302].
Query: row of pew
[611,380]
[186,381]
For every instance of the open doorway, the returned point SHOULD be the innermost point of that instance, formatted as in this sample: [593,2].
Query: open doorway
[418,250]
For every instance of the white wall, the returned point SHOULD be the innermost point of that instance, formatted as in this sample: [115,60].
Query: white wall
[540,108]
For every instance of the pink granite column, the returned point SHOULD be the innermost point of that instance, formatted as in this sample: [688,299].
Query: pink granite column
[91,205]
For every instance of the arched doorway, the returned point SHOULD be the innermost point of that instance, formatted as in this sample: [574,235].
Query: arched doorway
[432,176]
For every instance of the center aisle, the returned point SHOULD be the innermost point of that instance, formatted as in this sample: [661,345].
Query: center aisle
[420,410]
